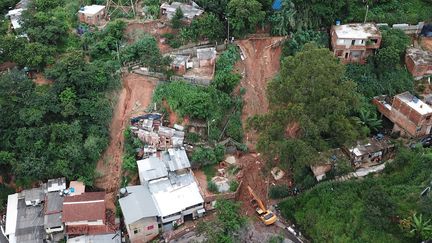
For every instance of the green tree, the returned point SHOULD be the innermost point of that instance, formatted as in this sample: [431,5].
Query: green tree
[300,38]
[176,21]
[68,100]
[45,5]
[369,119]
[225,81]
[317,104]
[228,221]
[147,52]
[284,21]
[244,15]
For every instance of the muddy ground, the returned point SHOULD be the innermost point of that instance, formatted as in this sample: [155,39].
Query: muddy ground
[261,65]
[133,99]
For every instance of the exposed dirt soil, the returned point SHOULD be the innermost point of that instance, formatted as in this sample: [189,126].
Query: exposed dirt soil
[253,177]
[133,99]
[6,65]
[40,79]
[426,43]
[260,66]
[155,28]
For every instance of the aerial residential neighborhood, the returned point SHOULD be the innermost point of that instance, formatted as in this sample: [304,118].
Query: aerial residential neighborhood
[215,121]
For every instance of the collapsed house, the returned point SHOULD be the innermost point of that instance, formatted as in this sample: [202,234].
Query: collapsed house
[418,62]
[410,115]
[167,195]
[353,43]
[190,11]
[371,152]
[15,14]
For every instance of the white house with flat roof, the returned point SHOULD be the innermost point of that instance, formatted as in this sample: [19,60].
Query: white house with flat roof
[168,193]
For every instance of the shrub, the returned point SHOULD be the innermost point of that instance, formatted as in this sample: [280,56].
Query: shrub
[193,137]
[233,185]
[279,191]
[211,186]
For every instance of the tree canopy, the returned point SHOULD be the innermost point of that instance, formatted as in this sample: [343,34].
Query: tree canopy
[317,104]
[244,16]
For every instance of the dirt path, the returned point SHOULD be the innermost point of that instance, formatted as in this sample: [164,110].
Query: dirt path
[260,66]
[134,98]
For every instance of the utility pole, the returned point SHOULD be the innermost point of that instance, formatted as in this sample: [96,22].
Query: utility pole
[228,36]
[367,10]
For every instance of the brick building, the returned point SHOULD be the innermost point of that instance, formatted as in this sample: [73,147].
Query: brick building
[353,43]
[411,116]
[86,214]
[92,15]
[418,62]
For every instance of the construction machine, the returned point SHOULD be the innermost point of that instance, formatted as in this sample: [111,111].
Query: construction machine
[265,215]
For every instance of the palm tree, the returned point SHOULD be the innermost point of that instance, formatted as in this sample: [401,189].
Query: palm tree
[284,20]
[422,229]
[366,118]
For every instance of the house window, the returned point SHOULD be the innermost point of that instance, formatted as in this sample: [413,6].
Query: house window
[428,117]
[353,42]
[346,55]
[374,41]
[339,53]
[136,231]
[150,227]
[362,42]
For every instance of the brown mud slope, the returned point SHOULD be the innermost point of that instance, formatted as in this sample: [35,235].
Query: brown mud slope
[260,66]
[252,176]
[426,43]
[134,98]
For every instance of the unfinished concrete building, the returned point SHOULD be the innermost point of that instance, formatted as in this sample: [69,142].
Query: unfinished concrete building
[418,62]
[353,43]
[371,152]
[410,115]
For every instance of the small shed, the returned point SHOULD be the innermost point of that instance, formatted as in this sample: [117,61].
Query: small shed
[206,57]
[181,63]
[92,15]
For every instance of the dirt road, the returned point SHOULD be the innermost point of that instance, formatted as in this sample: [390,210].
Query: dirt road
[260,66]
[133,99]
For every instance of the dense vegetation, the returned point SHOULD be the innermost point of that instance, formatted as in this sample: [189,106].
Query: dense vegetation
[59,129]
[310,110]
[228,221]
[302,15]
[209,104]
[375,209]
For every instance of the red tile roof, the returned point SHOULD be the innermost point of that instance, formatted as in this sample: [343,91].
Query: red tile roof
[90,230]
[87,206]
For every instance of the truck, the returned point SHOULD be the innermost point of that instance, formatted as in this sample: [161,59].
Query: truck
[264,214]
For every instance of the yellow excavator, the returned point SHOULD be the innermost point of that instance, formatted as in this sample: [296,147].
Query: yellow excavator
[267,216]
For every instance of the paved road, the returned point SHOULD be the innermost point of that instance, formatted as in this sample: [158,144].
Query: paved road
[290,236]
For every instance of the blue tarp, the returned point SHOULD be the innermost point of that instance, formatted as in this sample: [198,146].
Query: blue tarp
[277,5]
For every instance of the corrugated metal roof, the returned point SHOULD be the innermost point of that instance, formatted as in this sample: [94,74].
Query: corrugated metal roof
[137,204]
[178,159]
[151,168]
